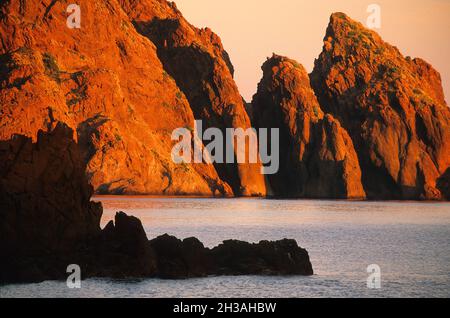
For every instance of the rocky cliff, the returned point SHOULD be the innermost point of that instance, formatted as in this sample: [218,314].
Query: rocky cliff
[393,108]
[106,81]
[136,70]
[317,157]
[202,69]
[374,123]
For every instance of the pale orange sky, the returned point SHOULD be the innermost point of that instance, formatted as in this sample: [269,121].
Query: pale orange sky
[251,30]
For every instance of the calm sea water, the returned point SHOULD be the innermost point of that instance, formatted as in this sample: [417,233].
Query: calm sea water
[409,241]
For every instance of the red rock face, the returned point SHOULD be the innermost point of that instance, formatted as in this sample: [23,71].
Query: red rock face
[105,81]
[393,108]
[137,70]
[317,155]
[195,58]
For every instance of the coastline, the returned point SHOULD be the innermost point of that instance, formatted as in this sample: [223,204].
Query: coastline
[155,196]
[408,241]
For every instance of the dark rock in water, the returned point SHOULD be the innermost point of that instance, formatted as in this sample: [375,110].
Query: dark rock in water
[265,258]
[189,258]
[181,259]
[127,233]
[122,250]
[48,222]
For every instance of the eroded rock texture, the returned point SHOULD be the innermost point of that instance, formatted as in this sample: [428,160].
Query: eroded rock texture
[106,82]
[202,69]
[137,70]
[317,157]
[393,108]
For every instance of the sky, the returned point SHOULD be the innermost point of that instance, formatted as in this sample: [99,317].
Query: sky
[252,30]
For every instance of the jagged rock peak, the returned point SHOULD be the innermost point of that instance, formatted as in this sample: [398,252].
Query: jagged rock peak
[292,80]
[317,158]
[392,106]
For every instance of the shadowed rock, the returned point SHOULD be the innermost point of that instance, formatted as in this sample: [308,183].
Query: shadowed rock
[189,258]
[443,184]
[122,250]
[45,206]
[265,258]
[317,157]
[48,222]
[181,259]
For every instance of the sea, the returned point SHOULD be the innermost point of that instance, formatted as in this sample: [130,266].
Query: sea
[357,249]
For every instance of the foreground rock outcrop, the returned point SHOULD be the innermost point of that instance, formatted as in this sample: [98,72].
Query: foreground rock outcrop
[393,108]
[189,258]
[317,157]
[48,222]
[45,206]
